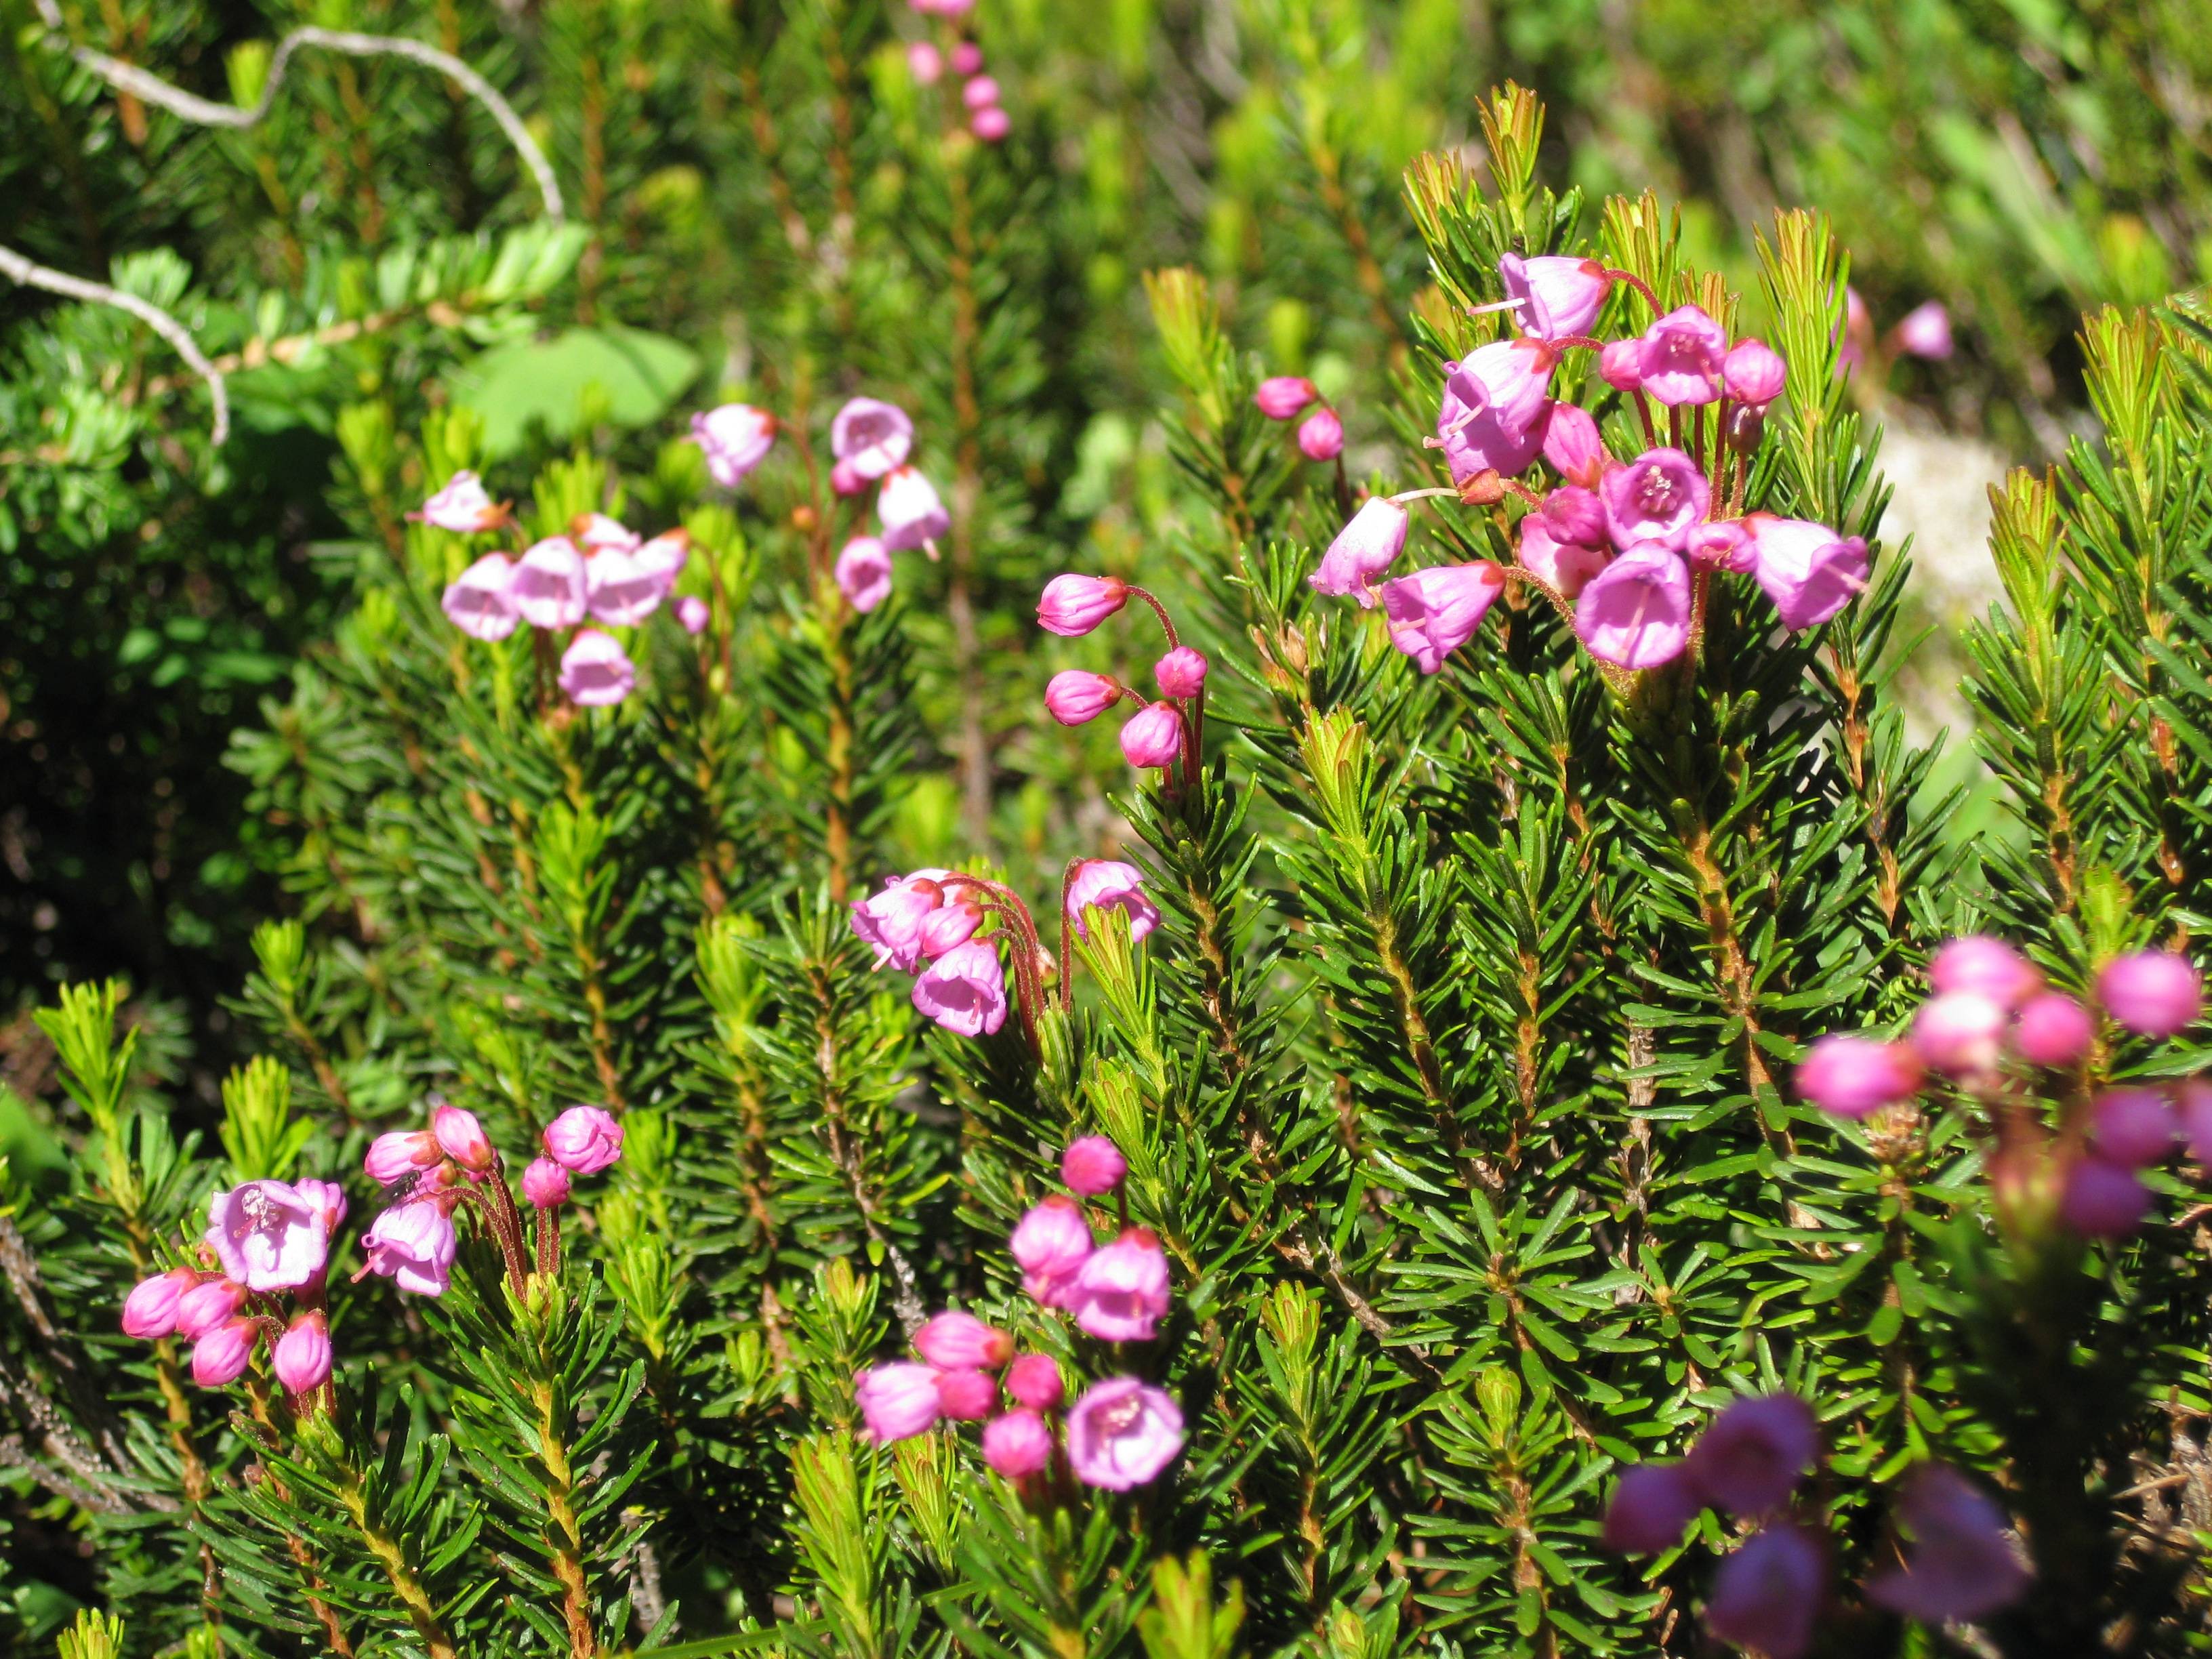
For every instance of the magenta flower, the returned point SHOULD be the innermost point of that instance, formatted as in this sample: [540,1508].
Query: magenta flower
[1680,362]
[1122,1433]
[1959,1033]
[1072,605]
[2155,994]
[942,8]
[395,1155]
[1558,297]
[1075,697]
[1152,736]
[595,532]
[1018,1445]
[584,1139]
[951,923]
[2053,1030]
[1363,550]
[1751,1459]
[1961,1565]
[1282,396]
[1635,613]
[1051,1244]
[736,438]
[1034,1381]
[1651,1507]
[620,589]
[480,601]
[981,92]
[302,1358]
[2134,1127]
[1572,446]
[958,1341]
[1121,1290]
[1321,435]
[991,125]
[870,436]
[267,1236]
[551,589]
[1181,673]
[596,672]
[325,1198]
[844,482]
[890,921]
[2103,1200]
[1925,331]
[1092,1166]
[1496,404]
[1620,364]
[207,1304]
[462,506]
[691,614]
[461,1137]
[967,1396]
[1435,611]
[911,513]
[1808,570]
[150,1309]
[545,1183]
[1989,967]
[1572,513]
[1768,1594]
[898,1402]
[413,1245]
[1724,545]
[864,572]
[924,62]
[222,1355]
[1566,568]
[1105,884]
[1754,373]
[964,990]
[1853,1076]
[1656,497]
[967,58]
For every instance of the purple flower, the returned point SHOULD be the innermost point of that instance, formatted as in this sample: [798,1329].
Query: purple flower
[545,1183]
[413,1245]
[1564,567]
[150,1309]
[911,513]
[462,506]
[1958,1033]
[326,1198]
[2103,1200]
[1721,545]
[596,672]
[1768,1594]
[1181,673]
[1853,1076]
[1656,497]
[664,557]
[964,990]
[1435,611]
[890,921]
[967,1396]
[1321,435]
[1754,373]
[1018,1445]
[549,587]
[584,1139]
[1572,446]
[2133,1128]
[1051,1244]
[2053,1030]
[1282,396]
[1925,331]
[1620,364]
[1961,1565]
[1680,362]
[1808,570]
[480,601]
[1034,1381]
[1075,697]
[898,1402]
[864,572]
[1651,1507]
[1635,613]
[1105,884]
[1751,1459]
[620,589]
[691,614]
[222,1355]
[1122,1433]
[736,438]
[1496,404]
[870,436]
[2153,994]
[302,1358]
[1558,297]
[955,1341]
[267,1236]
[1975,962]
[1152,736]
[1092,1166]
[1121,1289]
[1573,514]
[1363,550]
[1072,605]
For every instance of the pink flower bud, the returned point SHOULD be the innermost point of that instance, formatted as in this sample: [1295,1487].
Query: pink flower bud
[1635,613]
[1925,331]
[967,1396]
[1853,1076]
[1768,1594]
[462,506]
[952,923]
[1050,1245]
[1751,1459]
[268,1236]
[1620,364]
[942,8]
[1321,435]
[2053,1030]
[1121,1289]
[845,481]
[1072,605]
[2134,1127]
[964,990]
[924,62]
[550,588]
[1181,673]
[150,1309]
[2103,1200]
[870,436]
[1651,1507]
[1107,884]
[1092,1165]
[1959,1033]
[2155,994]
[954,1341]
[461,1137]
[1122,1433]
[326,1199]
[1656,497]
[1075,697]
[864,572]
[545,1183]
[980,92]
[736,438]
[393,1156]
[898,1402]
[990,124]
[413,1245]
[967,58]
[1808,571]
[1034,1381]
[1363,550]
[691,614]
[1152,736]
[1560,296]
[1435,611]
[480,601]
[1987,966]
[302,1358]
[1754,373]
[1681,362]
[206,1304]
[890,921]
[1961,1567]
[1572,446]
[596,672]
[1018,1445]
[222,1354]
[584,1139]
[1564,566]
[1282,396]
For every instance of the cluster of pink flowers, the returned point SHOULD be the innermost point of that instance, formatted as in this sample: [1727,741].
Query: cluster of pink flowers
[869,442]
[1992,1029]
[267,1242]
[1768,1594]
[1163,730]
[1285,396]
[1625,548]
[978,92]
[1123,1431]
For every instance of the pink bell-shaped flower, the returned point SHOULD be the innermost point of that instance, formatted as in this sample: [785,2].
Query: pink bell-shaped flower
[1075,697]
[620,589]
[1656,497]
[1122,1433]
[1560,296]
[1051,1244]
[596,672]
[413,1245]
[1682,357]
[870,436]
[1767,1596]
[897,1400]
[967,1396]
[302,1358]
[2153,994]
[463,507]
[584,1139]
[864,572]
[964,990]
[551,589]
[1925,331]
[1853,1076]
[267,1236]
[890,921]
[1121,1290]
[1635,613]
[1650,1508]
[1960,1033]
[2133,1128]
[1751,1459]
[1181,673]
[2101,1199]
[1072,605]
[1321,435]
[1572,446]
[1092,1166]
[393,1156]
[1018,1445]
[1961,1567]
[223,1353]
[1363,550]
[911,512]
[954,1341]
[545,1183]
[1153,737]
[1754,373]
[736,438]
[2053,1030]
[461,1136]
[1974,961]
[480,601]
[1106,885]
[1435,611]
[1808,570]
[1282,397]
[1496,408]
[1034,1380]
[150,1309]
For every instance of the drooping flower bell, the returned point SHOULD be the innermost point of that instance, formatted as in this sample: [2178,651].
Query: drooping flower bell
[967,1396]
[1681,358]
[1961,1567]
[150,1309]
[2101,1199]
[1017,1443]
[1651,1507]
[1072,605]
[692,614]
[222,1354]
[1768,1594]
[1656,497]
[2133,1128]
[1281,396]
[1092,1166]
[2153,994]
[953,1341]
[413,1245]
[596,534]
[1989,967]
[981,92]
[736,438]
[461,1136]
[1808,571]
[1496,406]
[890,921]
[1961,1033]
[1853,1076]
[480,601]
[864,572]
[545,1184]
[1620,364]
[1558,297]
[584,1139]
[207,1304]
[1051,1244]
[620,589]
[462,506]
[1034,1380]
[870,436]
[550,587]
[393,1156]
[302,1358]
[964,990]
[924,62]
[911,512]
[1181,673]
[2053,1030]
[1107,884]
[1122,1433]
[1363,550]
[1925,331]
[897,1400]
[267,1236]
[1635,613]
[1321,435]
[1121,1290]
[596,672]
[1572,446]
[1435,611]
[1153,737]
[967,58]
[1754,373]
[1566,566]
[1075,697]
[991,124]
[1751,1459]
[664,557]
